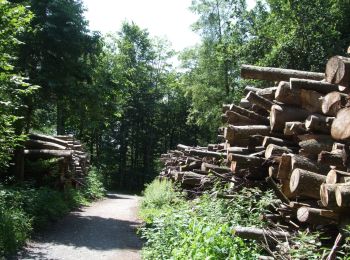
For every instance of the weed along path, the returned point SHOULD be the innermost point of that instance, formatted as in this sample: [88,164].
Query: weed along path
[104,230]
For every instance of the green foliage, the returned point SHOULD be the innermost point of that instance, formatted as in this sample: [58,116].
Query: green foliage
[200,229]
[94,187]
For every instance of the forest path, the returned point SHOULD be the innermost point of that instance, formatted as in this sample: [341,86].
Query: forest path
[104,230]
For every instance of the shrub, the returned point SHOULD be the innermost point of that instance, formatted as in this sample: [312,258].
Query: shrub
[94,186]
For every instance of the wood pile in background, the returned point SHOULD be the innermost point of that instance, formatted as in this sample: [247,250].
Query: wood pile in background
[73,161]
[293,137]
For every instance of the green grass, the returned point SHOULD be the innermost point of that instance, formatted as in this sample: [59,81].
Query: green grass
[199,229]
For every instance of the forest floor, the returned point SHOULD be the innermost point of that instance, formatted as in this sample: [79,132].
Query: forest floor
[104,230]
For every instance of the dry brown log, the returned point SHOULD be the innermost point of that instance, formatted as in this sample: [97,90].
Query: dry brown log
[248,89]
[259,234]
[327,194]
[338,70]
[44,153]
[246,160]
[238,150]
[203,153]
[38,144]
[340,128]
[306,183]
[276,74]
[342,195]
[315,85]
[333,102]
[47,138]
[268,93]
[233,133]
[306,99]
[249,114]
[314,145]
[191,166]
[301,162]
[336,176]
[319,124]
[317,216]
[275,152]
[219,169]
[277,141]
[294,128]
[332,159]
[238,119]
[280,114]
[259,110]
[244,103]
[259,101]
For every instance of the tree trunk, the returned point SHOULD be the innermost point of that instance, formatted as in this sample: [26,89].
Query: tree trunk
[313,146]
[259,234]
[306,183]
[276,74]
[233,133]
[275,152]
[280,114]
[340,128]
[234,118]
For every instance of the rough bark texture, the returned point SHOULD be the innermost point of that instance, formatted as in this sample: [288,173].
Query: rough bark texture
[319,124]
[259,101]
[280,114]
[315,85]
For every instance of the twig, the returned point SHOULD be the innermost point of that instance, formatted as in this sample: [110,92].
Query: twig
[335,247]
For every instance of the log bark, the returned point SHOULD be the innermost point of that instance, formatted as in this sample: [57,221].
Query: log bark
[47,153]
[219,169]
[276,74]
[277,141]
[316,144]
[248,89]
[317,216]
[203,153]
[301,162]
[280,114]
[319,124]
[47,138]
[268,93]
[332,159]
[338,70]
[340,127]
[249,114]
[275,152]
[342,195]
[38,144]
[244,103]
[284,167]
[294,128]
[238,119]
[246,160]
[233,133]
[259,234]
[307,99]
[315,85]
[306,183]
[259,101]
[333,102]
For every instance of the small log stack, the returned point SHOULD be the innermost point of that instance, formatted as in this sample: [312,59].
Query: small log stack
[73,161]
[293,136]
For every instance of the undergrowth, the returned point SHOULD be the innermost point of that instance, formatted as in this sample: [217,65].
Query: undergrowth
[25,208]
[202,228]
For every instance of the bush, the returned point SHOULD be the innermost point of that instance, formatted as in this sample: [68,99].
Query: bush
[200,229]
[94,186]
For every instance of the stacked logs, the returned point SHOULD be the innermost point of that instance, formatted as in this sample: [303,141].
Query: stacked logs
[293,136]
[73,161]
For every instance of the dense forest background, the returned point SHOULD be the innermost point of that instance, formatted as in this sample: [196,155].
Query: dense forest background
[120,94]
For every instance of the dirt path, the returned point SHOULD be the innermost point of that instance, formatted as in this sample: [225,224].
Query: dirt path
[105,230]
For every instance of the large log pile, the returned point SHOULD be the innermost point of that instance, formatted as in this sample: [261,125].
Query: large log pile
[293,137]
[73,161]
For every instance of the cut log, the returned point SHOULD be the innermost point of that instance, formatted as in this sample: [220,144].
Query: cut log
[315,85]
[259,101]
[338,70]
[273,171]
[238,150]
[316,144]
[275,152]
[333,102]
[47,138]
[225,107]
[248,89]
[280,114]
[268,93]
[246,160]
[337,176]
[332,159]
[233,133]
[191,166]
[219,169]
[244,103]
[327,194]
[203,153]
[301,162]
[276,74]
[294,128]
[317,216]
[284,167]
[260,111]
[277,141]
[38,144]
[259,234]
[318,123]
[307,99]
[306,183]
[249,114]
[47,153]
[183,147]
[342,195]
[341,125]
[237,119]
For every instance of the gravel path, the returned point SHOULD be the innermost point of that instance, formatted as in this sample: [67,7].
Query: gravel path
[104,230]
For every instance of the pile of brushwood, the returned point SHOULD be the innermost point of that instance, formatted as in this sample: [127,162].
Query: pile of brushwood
[292,138]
